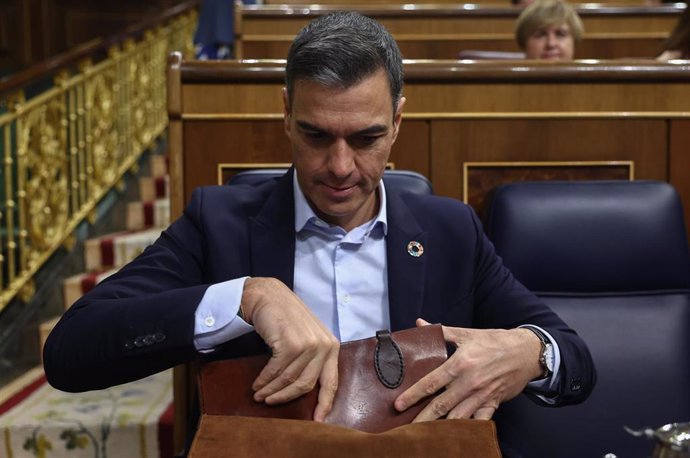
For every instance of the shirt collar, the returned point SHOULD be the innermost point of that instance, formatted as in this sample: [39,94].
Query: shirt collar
[304,213]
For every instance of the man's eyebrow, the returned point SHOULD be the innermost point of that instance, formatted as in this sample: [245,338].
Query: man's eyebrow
[306,126]
[375,129]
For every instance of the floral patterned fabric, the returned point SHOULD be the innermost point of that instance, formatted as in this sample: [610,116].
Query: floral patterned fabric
[122,421]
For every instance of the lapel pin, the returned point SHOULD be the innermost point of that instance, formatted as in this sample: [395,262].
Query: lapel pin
[415,249]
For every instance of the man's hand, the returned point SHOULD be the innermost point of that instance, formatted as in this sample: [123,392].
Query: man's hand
[304,350]
[489,366]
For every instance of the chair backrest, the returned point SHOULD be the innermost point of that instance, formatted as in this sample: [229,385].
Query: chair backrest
[611,258]
[591,236]
[407,180]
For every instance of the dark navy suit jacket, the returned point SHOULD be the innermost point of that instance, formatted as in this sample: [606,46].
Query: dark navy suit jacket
[140,320]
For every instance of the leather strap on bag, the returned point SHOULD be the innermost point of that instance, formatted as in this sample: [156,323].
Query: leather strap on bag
[388,360]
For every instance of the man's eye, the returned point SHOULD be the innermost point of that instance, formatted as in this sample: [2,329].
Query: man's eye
[366,140]
[315,135]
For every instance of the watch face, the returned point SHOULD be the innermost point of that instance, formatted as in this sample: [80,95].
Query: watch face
[549,357]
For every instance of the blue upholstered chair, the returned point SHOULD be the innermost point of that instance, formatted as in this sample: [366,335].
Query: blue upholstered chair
[611,258]
[400,179]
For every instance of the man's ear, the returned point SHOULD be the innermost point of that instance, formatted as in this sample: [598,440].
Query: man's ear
[286,112]
[397,118]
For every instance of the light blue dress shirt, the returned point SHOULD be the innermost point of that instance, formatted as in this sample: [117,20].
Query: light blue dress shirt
[341,276]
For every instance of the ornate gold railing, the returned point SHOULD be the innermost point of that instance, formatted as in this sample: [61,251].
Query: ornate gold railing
[65,148]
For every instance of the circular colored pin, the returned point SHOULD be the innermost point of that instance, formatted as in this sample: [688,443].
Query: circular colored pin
[415,249]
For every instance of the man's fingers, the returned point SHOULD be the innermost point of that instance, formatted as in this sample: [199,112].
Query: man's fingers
[303,383]
[422,322]
[301,344]
[450,405]
[484,413]
[277,374]
[426,386]
[450,334]
[329,385]
[437,408]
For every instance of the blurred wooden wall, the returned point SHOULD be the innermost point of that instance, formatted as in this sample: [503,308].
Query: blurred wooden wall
[34,30]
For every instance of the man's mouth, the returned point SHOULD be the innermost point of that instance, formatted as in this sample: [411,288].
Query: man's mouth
[338,191]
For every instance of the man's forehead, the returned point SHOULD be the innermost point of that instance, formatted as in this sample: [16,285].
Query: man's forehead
[376,84]
[340,84]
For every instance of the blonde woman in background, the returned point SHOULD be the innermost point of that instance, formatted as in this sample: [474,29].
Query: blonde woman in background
[548,29]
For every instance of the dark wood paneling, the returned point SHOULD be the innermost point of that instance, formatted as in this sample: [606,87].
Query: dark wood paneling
[410,19]
[429,48]
[482,179]
[229,141]
[679,167]
[35,30]
[411,150]
[78,21]
[10,19]
[441,31]
[455,142]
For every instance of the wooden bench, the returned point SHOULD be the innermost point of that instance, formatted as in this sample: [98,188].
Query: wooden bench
[426,31]
[467,126]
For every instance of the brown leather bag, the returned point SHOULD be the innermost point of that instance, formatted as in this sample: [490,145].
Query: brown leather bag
[372,373]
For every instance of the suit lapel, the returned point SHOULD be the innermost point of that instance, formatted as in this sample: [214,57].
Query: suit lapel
[406,273]
[272,236]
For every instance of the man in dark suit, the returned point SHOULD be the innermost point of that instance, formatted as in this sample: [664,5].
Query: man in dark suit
[326,253]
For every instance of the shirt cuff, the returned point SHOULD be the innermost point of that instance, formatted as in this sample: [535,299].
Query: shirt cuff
[545,388]
[216,320]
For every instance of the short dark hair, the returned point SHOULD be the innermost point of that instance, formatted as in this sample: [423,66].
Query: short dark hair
[340,50]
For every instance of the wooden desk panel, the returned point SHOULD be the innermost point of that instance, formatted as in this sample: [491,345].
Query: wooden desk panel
[546,98]
[242,97]
[425,19]
[216,142]
[434,47]
[455,142]
[679,161]
[440,31]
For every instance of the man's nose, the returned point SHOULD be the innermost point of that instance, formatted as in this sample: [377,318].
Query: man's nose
[341,158]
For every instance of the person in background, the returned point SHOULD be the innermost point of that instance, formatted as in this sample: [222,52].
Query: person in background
[548,29]
[214,37]
[677,46]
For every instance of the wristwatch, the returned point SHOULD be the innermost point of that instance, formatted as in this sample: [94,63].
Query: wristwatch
[546,357]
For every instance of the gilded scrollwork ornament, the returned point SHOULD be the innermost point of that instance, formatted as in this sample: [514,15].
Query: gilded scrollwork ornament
[44,162]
